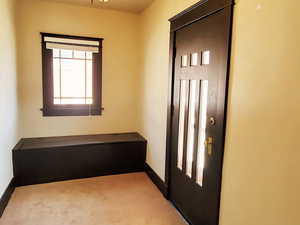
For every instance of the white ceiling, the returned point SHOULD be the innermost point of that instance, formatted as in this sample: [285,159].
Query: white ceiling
[135,6]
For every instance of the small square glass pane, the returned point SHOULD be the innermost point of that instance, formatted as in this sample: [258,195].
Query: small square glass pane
[66,53]
[56,101]
[55,52]
[184,61]
[205,58]
[89,101]
[194,59]
[79,54]
[89,55]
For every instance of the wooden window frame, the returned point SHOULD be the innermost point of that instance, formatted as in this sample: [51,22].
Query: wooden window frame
[49,108]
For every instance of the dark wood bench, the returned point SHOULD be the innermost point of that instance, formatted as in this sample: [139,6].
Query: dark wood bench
[49,159]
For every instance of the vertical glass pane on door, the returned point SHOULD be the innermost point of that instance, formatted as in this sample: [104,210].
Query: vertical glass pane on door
[191,128]
[202,131]
[182,103]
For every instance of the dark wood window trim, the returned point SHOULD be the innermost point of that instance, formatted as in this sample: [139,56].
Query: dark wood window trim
[49,109]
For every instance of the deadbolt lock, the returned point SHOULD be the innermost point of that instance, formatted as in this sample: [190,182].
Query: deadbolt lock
[212,121]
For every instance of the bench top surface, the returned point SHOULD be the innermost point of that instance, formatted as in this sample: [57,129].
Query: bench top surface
[64,141]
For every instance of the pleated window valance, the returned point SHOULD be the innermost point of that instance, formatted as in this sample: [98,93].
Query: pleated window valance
[75,44]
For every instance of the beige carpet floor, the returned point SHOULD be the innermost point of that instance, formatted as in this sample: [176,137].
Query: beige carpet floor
[129,199]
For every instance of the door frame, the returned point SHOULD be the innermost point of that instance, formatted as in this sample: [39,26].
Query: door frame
[192,14]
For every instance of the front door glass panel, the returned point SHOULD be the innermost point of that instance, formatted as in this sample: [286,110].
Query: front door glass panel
[191,127]
[202,131]
[182,106]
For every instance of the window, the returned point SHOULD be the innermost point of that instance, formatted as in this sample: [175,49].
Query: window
[72,69]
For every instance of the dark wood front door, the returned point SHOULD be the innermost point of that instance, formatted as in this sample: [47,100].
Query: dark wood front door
[198,120]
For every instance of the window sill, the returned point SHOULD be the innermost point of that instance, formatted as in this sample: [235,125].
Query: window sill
[72,111]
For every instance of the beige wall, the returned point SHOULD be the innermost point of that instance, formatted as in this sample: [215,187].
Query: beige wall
[261,179]
[8,92]
[261,173]
[120,66]
[154,77]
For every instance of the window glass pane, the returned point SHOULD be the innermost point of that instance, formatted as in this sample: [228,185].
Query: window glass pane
[72,78]
[55,52]
[202,131]
[56,101]
[56,77]
[89,55]
[79,54]
[66,53]
[73,101]
[89,101]
[182,104]
[89,78]
[191,128]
